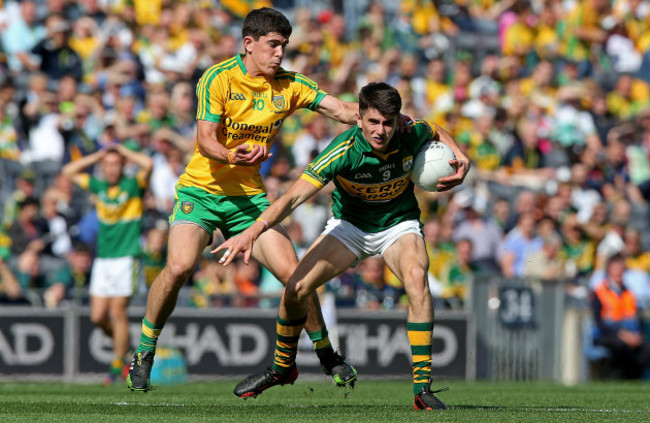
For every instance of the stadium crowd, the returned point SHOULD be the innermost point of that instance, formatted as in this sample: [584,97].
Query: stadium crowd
[550,99]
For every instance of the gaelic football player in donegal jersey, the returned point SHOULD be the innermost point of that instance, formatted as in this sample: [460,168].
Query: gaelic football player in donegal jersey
[242,103]
[375,212]
[119,209]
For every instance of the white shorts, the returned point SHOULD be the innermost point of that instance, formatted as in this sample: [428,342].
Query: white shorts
[366,244]
[113,277]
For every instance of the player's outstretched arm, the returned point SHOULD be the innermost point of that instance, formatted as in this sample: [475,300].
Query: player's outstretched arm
[461,164]
[339,110]
[210,147]
[299,192]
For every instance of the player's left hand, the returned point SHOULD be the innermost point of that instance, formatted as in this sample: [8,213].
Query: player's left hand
[448,182]
[242,243]
[404,124]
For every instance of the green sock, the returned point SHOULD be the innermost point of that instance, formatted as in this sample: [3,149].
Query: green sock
[286,346]
[322,344]
[116,366]
[149,336]
[420,335]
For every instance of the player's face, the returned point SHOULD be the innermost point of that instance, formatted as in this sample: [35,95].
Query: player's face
[377,129]
[264,56]
[112,164]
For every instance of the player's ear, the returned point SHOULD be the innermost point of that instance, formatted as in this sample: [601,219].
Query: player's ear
[358,119]
[248,44]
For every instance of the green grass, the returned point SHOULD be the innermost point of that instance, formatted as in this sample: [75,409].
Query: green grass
[317,401]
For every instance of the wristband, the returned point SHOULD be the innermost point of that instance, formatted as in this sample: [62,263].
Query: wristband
[263,221]
[232,152]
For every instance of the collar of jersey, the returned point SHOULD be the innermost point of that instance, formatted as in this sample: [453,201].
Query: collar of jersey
[241,64]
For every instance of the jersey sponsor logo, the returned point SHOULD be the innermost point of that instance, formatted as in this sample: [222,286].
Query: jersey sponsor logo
[379,192]
[237,96]
[385,167]
[362,176]
[187,207]
[260,95]
[407,163]
[244,131]
[278,102]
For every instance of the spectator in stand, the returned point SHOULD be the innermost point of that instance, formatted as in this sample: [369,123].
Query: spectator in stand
[29,229]
[456,273]
[39,286]
[518,245]
[546,263]
[20,37]
[582,32]
[24,188]
[10,291]
[619,323]
[57,236]
[484,236]
[57,59]
[312,142]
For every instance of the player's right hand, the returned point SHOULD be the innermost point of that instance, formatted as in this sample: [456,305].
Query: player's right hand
[242,243]
[241,156]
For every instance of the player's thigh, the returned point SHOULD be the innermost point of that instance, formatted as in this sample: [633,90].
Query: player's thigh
[274,250]
[408,256]
[325,259]
[186,243]
[192,223]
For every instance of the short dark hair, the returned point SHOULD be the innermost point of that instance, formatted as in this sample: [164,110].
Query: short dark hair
[382,97]
[265,20]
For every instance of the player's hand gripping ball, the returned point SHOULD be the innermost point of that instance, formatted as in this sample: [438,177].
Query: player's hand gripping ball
[432,163]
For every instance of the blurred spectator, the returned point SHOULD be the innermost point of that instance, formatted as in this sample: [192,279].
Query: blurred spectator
[546,263]
[40,286]
[24,188]
[10,290]
[455,274]
[577,251]
[484,236]
[75,273]
[23,33]
[28,230]
[58,238]
[57,59]
[312,142]
[518,245]
[618,322]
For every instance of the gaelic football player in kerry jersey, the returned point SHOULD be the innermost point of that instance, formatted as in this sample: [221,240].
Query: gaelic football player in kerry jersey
[242,104]
[375,212]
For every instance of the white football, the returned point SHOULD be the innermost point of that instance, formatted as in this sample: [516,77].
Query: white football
[432,163]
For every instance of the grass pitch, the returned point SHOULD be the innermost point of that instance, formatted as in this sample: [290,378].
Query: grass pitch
[320,401]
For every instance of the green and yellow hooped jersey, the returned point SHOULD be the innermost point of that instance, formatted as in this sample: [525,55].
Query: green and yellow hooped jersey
[119,210]
[373,190]
[249,110]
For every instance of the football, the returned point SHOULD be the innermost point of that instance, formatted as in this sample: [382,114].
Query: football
[432,163]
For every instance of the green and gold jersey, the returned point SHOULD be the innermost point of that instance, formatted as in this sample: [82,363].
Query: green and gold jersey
[373,190]
[119,210]
[249,110]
